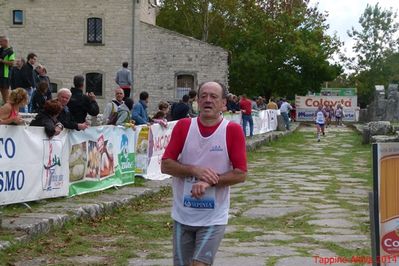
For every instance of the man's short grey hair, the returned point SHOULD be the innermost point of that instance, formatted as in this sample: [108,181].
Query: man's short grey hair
[4,37]
[64,90]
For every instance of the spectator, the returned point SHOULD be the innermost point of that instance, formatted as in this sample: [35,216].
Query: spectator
[9,112]
[260,102]
[192,104]
[27,79]
[164,107]
[110,114]
[39,97]
[42,77]
[254,105]
[7,57]
[160,118]
[181,109]
[272,105]
[82,104]
[139,114]
[232,105]
[47,118]
[124,79]
[63,96]
[206,155]
[124,111]
[16,74]
[36,71]
[246,113]
[284,110]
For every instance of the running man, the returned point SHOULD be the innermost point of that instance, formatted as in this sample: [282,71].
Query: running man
[205,156]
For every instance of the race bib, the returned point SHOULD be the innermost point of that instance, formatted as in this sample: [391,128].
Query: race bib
[207,201]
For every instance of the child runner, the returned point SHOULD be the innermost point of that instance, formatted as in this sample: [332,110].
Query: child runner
[320,121]
[339,113]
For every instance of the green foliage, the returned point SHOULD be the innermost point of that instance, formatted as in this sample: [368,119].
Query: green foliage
[276,47]
[375,46]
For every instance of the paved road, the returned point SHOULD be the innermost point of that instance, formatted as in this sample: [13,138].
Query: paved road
[306,200]
[298,203]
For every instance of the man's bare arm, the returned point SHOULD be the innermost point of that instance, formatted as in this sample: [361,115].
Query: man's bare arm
[232,177]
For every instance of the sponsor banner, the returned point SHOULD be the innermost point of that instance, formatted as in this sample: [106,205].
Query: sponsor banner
[347,102]
[264,121]
[388,197]
[306,114]
[306,106]
[101,157]
[159,138]
[233,117]
[32,167]
[142,143]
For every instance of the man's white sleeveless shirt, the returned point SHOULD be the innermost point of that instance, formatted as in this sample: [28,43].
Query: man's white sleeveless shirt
[211,152]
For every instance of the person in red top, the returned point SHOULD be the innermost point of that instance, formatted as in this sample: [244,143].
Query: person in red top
[246,114]
[205,156]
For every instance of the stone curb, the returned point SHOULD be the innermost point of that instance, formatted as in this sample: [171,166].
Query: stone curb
[56,214]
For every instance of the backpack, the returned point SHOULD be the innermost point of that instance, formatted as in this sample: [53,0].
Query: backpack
[113,117]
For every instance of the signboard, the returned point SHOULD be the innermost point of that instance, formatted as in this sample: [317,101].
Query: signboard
[159,138]
[338,92]
[306,106]
[32,166]
[101,157]
[386,184]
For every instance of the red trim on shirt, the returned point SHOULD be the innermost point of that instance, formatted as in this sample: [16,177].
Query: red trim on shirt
[235,141]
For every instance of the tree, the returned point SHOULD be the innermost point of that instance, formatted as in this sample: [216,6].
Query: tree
[277,47]
[374,44]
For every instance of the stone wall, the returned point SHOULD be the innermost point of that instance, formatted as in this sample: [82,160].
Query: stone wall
[385,106]
[164,54]
[56,31]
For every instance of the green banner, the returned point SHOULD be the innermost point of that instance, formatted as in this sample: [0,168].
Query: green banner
[100,159]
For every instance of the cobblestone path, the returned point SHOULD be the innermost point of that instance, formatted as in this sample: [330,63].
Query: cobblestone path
[303,202]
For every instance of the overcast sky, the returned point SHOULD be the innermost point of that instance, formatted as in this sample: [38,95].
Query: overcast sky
[343,14]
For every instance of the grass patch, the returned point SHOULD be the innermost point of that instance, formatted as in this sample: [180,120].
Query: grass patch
[78,237]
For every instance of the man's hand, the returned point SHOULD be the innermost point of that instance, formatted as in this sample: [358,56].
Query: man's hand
[207,175]
[92,96]
[82,126]
[198,189]
[58,129]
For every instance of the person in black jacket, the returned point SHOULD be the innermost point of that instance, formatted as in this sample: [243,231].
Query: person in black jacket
[16,74]
[181,109]
[39,97]
[82,104]
[47,118]
[27,79]
[63,96]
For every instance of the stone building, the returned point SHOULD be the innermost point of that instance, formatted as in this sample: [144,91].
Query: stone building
[94,37]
